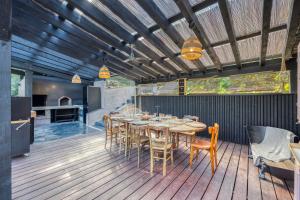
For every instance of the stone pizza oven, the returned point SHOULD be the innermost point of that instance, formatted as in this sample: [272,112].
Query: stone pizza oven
[64,101]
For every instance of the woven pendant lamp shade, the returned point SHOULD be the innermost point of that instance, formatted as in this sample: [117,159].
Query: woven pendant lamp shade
[104,72]
[76,79]
[191,49]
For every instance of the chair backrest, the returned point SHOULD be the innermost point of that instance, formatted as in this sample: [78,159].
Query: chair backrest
[137,130]
[214,131]
[162,115]
[107,123]
[194,118]
[158,135]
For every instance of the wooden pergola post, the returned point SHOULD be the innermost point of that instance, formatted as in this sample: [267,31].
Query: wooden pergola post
[5,99]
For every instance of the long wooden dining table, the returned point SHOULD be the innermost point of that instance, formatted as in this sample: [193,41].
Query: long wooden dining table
[185,127]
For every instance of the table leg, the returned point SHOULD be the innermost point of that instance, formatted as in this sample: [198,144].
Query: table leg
[126,139]
[177,141]
[186,140]
[192,138]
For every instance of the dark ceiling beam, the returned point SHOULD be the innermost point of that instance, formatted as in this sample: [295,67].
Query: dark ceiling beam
[227,19]
[25,65]
[292,28]
[244,37]
[53,62]
[252,67]
[62,58]
[151,54]
[55,65]
[194,24]
[255,34]
[27,34]
[195,8]
[154,12]
[52,65]
[120,71]
[69,39]
[44,53]
[49,65]
[88,26]
[29,8]
[34,37]
[20,28]
[117,7]
[104,20]
[128,68]
[266,19]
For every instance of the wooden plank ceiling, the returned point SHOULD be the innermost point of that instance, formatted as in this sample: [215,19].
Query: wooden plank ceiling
[77,36]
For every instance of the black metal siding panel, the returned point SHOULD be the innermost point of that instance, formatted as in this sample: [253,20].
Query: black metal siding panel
[232,112]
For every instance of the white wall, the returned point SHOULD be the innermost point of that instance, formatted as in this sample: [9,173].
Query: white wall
[111,99]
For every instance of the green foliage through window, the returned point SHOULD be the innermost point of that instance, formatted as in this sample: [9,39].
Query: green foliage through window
[262,82]
[15,82]
[162,88]
[118,81]
[251,83]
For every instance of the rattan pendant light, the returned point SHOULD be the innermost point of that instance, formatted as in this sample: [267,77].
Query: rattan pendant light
[191,49]
[104,71]
[76,79]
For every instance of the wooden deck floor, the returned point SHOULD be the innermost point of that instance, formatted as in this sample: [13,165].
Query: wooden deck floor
[80,168]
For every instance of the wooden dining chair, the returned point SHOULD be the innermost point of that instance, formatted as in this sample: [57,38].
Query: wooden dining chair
[161,147]
[187,134]
[124,138]
[111,131]
[138,137]
[210,146]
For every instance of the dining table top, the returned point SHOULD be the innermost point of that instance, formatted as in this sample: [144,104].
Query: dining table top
[187,126]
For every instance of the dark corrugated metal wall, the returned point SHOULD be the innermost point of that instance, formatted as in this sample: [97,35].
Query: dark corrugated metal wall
[232,112]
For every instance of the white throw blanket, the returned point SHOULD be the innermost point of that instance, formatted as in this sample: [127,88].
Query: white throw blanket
[274,147]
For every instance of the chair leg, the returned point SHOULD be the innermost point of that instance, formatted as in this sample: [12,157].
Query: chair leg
[126,145]
[191,156]
[130,147]
[120,145]
[212,162]
[151,162]
[139,149]
[215,155]
[105,140]
[165,163]
[197,154]
[172,157]
[111,139]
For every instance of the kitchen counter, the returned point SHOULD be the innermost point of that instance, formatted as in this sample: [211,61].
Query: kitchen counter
[52,114]
[55,107]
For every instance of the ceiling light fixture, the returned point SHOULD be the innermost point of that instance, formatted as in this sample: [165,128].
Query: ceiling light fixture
[191,49]
[76,79]
[104,71]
